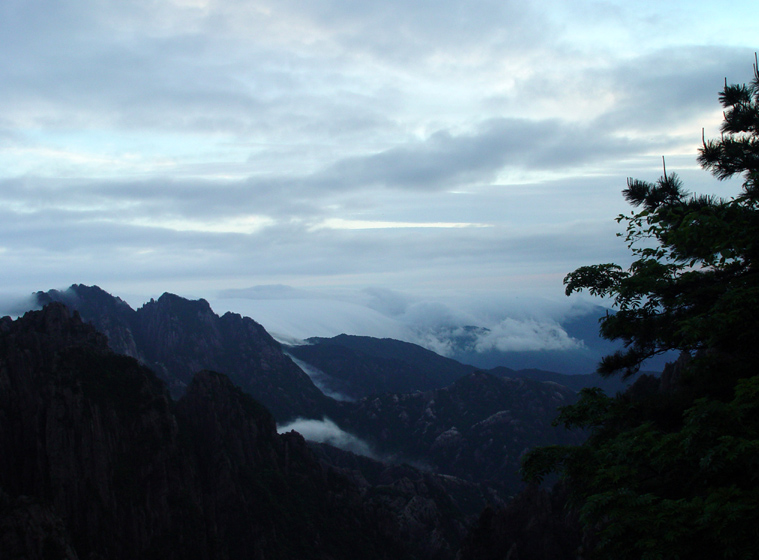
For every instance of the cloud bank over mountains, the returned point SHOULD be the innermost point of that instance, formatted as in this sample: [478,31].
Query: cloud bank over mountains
[447,326]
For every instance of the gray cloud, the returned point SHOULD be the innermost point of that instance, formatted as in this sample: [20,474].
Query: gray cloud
[204,146]
[666,88]
[444,160]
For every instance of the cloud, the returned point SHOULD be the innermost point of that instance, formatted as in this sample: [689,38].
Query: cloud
[198,146]
[442,323]
[444,159]
[661,91]
[326,431]
[511,335]
[14,305]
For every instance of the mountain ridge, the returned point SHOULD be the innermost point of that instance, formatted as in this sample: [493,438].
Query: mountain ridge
[177,337]
[106,465]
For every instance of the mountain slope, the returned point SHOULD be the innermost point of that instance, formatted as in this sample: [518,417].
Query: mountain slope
[476,429]
[177,338]
[358,366]
[96,461]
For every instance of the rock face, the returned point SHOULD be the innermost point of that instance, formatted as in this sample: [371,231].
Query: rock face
[88,432]
[177,337]
[96,461]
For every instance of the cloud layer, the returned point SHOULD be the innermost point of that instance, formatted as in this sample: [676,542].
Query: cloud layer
[477,147]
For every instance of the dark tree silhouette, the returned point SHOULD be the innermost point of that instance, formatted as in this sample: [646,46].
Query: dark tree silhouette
[671,468]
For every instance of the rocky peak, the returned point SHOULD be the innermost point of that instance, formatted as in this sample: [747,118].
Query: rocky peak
[177,338]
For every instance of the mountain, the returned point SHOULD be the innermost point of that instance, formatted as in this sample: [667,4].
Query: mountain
[443,417]
[357,366]
[573,347]
[570,346]
[536,525]
[476,429]
[177,337]
[97,461]
[360,366]
[576,382]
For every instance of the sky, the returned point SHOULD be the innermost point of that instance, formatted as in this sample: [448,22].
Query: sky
[331,165]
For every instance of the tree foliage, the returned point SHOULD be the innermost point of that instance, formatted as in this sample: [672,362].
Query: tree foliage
[671,467]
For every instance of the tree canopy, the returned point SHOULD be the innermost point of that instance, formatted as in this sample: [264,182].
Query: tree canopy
[671,467]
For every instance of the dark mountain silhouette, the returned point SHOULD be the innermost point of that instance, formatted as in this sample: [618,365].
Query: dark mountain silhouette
[177,337]
[97,461]
[444,417]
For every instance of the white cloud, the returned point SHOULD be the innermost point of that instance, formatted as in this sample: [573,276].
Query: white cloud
[326,431]
[512,335]
[435,322]
[319,378]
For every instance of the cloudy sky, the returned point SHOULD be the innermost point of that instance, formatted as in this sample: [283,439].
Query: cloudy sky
[396,152]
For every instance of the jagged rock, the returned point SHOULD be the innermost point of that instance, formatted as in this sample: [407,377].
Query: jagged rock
[177,338]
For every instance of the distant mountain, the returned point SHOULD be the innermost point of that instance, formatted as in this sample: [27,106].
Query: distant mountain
[466,346]
[611,385]
[177,338]
[96,461]
[357,366]
[360,366]
[581,325]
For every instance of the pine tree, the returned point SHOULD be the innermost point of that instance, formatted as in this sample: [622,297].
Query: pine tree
[671,468]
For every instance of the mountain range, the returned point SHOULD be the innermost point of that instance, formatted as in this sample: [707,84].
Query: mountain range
[99,462]
[120,424]
[399,415]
